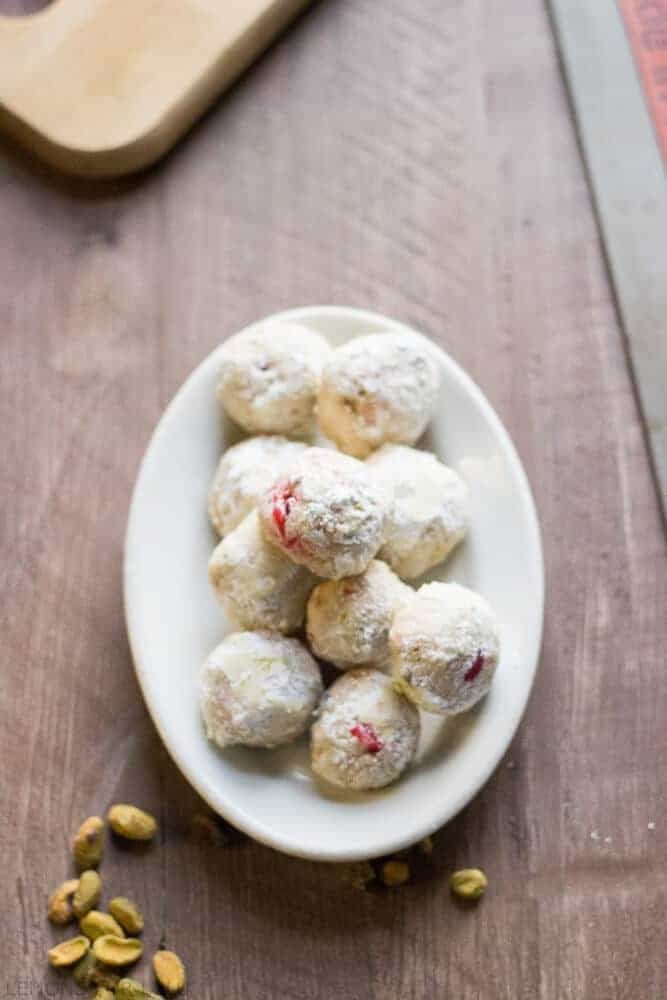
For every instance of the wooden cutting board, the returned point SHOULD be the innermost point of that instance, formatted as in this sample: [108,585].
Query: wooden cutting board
[105,87]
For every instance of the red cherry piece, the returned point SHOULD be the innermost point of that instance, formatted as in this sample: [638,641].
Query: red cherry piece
[367,736]
[477,665]
[283,498]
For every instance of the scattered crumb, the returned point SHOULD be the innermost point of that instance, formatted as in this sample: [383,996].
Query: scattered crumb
[395,873]
[426,845]
[357,874]
[607,840]
[510,765]
[206,828]
[650,826]
[595,835]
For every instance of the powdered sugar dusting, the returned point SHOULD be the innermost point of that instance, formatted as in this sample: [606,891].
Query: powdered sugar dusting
[269,377]
[259,689]
[428,516]
[445,648]
[363,698]
[348,620]
[258,585]
[336,517]
[375,389]
[244,473]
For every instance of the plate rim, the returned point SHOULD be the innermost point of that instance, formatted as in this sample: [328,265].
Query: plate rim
[215,797]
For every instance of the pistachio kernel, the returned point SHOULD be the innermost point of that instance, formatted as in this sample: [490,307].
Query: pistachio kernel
[59,908]
[357,874]
[83,969]
[68,952]
[89,972]
[468,883]
[102,993]
[169,971]
[87,894]
[207,829]
[88,843]
[131,822]
[117,951]
[127,914]
[96,923]
[401,686]
[130,989]
[395,873]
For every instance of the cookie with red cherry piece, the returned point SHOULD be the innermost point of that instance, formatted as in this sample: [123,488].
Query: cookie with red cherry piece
[325,513]
[366,733]
[244,472]
[445,646]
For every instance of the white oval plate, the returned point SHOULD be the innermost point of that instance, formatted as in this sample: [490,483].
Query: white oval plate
[174,621]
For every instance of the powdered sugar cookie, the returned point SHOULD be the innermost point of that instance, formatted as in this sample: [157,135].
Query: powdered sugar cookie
[258,585]
[245,471]
[377,389]
[348,620]
[429,514]
[258,689]
[444,648]
[269,377]
[325,513]
[366,733]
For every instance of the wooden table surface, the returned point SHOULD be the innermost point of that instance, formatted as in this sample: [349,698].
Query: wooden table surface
[418,159]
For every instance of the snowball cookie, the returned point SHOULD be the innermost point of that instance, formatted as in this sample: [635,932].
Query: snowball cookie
[348,620]
[257,584]
[245,471]
[269,377]
[445,648]
[429,515]
[366,733]
[258,689]
[325,513]
[376,389]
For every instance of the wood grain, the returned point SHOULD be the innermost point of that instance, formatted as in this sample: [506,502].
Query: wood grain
[420,161]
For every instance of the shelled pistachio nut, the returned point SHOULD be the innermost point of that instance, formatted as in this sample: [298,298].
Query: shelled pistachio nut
[169,971]
[68,952]
[395,873]
[96,923]
[88,893]
[89,972]
[117,951]
[130,989]
[89,842]
[59,908]
[468,883]
[131,822]
[127,914]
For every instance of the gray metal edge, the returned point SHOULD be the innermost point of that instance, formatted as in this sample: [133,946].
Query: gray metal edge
[630,189]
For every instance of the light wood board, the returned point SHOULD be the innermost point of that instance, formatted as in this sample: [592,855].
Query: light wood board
[104,87]
[628,180]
